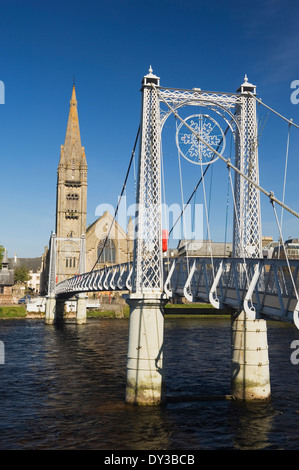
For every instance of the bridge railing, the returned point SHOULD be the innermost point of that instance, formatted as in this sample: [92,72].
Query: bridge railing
[265,286]
[117,277]
[258,285]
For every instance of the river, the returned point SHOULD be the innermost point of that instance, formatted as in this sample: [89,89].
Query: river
[63,387]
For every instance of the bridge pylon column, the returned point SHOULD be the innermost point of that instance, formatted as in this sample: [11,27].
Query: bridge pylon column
[250,358]
[59,314]
[250,361]
[247,236]
[145,378]
[81,309]
[81,298]
[50,313]
[50,309]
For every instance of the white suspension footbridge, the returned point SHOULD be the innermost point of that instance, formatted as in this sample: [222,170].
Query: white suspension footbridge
[256,288]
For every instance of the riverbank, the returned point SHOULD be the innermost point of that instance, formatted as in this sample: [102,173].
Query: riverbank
[13,311]
[171,310]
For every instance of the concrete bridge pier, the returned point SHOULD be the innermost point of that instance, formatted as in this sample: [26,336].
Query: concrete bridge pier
[250,359]
[81,309]
[60,303]
[145,378]
[55,309]
[50,309]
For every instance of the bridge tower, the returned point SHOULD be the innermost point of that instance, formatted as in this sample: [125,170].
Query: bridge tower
[145,382]
[247,241]
[250,360]
[250,365]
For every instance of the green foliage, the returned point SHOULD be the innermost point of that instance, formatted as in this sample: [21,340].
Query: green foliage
[15,311]
[21,275]
[1,254]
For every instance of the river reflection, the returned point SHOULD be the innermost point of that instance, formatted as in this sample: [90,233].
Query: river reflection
[63,387]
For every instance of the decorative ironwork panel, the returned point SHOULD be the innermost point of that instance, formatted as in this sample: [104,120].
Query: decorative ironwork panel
[226,102]
[239,111]
[147,271]
[54,258]
[247,218]
[52,267]
[82,258]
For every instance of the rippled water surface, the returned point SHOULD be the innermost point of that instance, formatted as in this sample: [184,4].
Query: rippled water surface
[63,387]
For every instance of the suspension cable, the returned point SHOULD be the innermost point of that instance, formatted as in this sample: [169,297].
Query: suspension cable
[210,190]
[197,185]
[242,255]
[227,204]
[190,198]
[285,178]
[208,224]
[285,252]
[164,197]
[119,200]
[183,205]
[290,121]
[227,161]
[226,218]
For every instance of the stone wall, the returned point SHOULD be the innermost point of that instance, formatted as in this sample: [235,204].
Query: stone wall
[6,295]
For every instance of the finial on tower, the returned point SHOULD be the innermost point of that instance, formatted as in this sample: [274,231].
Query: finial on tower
[151,78]
[246,86]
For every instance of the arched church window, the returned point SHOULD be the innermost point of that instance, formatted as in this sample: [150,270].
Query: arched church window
[70,262]
[106,251]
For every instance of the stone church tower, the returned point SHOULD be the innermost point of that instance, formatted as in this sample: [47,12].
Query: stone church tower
[71,209]
[71,199]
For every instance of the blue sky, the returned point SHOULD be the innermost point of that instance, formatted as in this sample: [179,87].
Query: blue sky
[109,46]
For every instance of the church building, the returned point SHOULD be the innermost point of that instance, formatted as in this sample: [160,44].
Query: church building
[71,211]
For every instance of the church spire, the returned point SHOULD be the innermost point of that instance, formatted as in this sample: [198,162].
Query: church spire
[72,136]
[71,179]
[72,150]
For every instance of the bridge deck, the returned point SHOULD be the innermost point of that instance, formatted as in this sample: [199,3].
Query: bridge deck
[260,286]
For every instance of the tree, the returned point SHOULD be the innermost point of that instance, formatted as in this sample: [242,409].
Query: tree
[1,254]
[21,275]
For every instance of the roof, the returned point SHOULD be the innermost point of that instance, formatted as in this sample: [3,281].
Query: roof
[29,263]
[111,219]
[204,247]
